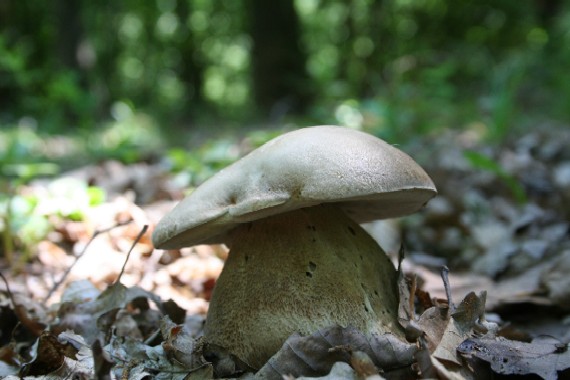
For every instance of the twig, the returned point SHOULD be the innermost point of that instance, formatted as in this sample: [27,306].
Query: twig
[10,295]
[401,256]
[411,301]
[139,236]
[58,283]
[447,287]
[8,242]
[33,326]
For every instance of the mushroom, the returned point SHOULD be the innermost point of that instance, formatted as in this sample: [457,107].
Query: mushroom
[299,261]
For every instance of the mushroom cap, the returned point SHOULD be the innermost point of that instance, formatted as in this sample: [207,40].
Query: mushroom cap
[361,174]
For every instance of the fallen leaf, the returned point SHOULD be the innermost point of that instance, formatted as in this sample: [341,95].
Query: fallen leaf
[509,357]
[60,357]
[179,346]
[136,360]
[460,327]
[340,370]
[316,354]
[362,364]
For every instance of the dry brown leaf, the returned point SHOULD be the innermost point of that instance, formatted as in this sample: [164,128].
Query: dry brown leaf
[339,370]
[460,327]
[453,336]
[446,373]
[50,354]
[137,360]
[433,322]
[362,364]
[59,357]
[179,345]
[316,354]
[509,357]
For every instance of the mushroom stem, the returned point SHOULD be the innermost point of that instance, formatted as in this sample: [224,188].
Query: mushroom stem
[299,272]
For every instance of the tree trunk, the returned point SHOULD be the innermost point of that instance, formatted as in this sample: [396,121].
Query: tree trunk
[280,82]
[70,32]
[191,73]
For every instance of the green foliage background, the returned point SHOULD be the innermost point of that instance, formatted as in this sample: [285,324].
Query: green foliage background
[394,67]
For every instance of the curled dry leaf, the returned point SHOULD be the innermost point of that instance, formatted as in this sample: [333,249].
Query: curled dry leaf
[461,326]
[59,357]
[316,354]
[362,364]
[444,332]
[50,356]
[433,322]
[179,346]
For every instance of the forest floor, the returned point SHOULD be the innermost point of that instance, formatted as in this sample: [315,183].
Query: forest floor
[500,224]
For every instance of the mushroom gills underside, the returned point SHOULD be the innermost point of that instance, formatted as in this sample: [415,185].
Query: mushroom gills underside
[299,272]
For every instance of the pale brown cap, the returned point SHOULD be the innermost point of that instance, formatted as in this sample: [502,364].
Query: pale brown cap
[362,175]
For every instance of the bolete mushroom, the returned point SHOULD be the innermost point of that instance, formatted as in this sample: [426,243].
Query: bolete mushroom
[298,260]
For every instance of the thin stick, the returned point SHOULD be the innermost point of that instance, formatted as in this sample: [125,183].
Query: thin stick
[8,289]
[401,256]
[447,287]
[33,326]
[139,236]
[411,301]
[58,283]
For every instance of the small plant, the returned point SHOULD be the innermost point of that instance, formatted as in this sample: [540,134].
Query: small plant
[27,217]
[196,165]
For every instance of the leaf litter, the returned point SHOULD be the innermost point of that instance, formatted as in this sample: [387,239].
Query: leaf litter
[126,331]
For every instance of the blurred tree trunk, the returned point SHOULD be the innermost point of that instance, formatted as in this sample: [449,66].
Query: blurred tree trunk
[70,32]
[8,92]
[280,82]
[548,10]
[191,73]
[102,31]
